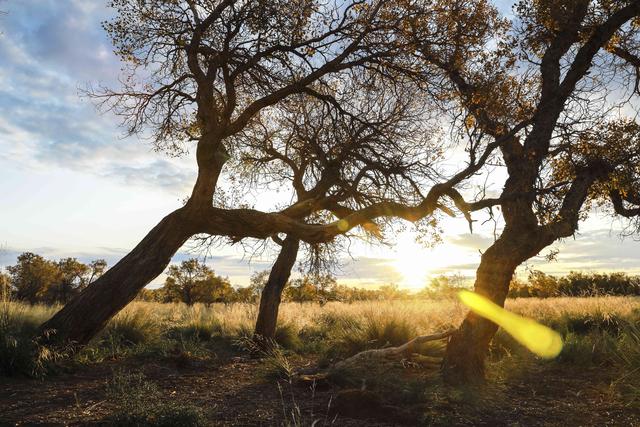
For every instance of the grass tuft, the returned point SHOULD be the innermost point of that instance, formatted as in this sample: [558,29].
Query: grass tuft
[138,403]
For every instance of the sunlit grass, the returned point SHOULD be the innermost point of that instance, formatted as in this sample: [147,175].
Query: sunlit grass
[596,329]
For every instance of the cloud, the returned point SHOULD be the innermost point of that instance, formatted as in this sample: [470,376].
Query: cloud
[49,49]
[595,250]
[471,241]
[369,270]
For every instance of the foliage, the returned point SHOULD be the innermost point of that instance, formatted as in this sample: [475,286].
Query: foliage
[444,287]
[575,283]
[192,282]
[20,352]
[35,279]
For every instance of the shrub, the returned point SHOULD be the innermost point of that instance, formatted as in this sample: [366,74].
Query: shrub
[197,327]
[287,336]
[20,352]
[131,327]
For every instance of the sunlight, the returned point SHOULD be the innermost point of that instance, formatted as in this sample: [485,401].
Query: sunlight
[418,264]
[539,339]
[411,261]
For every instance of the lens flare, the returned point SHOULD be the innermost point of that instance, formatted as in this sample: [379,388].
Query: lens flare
[543,341]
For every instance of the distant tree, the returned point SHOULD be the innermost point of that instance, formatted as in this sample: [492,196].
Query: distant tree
[151,295]
[96,269]
[246,294]
[301,290]
[444,286]
[392,291]
[72,275]
[182,281]
[33,277]
[258,280]
[251,293]
[594,284]
[192,282]
[36,279]
[214,289]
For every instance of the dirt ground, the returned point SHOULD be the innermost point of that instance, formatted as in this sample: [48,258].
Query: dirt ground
[230,393]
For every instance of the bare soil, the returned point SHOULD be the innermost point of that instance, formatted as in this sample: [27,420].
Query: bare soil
[231,393]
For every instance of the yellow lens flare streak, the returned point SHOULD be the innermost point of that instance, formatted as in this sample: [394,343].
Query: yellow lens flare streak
[539,339]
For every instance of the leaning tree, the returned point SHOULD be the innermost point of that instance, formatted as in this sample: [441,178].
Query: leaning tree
[564,74]
[201,71]
[204,72]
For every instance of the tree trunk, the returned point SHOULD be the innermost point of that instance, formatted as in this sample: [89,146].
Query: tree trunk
[272,292]
[89,311]
[468,346]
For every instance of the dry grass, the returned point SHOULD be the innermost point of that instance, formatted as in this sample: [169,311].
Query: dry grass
[592,325]
[424,315]
[601,334]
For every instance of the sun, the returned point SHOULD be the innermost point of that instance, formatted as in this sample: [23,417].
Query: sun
[411,261]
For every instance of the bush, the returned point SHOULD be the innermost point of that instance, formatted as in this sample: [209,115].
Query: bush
[199,323]
[130,327]
[287,336]
[20,353]
[349,335]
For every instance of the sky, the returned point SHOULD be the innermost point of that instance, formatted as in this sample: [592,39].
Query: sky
[71,183]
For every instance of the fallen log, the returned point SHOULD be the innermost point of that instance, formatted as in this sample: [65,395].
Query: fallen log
[369,357]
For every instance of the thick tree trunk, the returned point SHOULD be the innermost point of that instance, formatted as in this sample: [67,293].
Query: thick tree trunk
[87,313]
[467,348]
[272,292]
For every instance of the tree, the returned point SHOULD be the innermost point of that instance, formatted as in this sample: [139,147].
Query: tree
[214,289]
[193,282]
[335,162]
[33,277]
[36,279]
[203,72]
[444,286]
[392,292]
[301,290]
[184,280]
[71,279]
[541,85]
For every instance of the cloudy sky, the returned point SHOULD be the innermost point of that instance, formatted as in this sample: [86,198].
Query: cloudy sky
[72,185]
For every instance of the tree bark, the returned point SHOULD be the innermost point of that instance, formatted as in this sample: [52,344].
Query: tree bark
[468,346]
[272,292]
[89,311]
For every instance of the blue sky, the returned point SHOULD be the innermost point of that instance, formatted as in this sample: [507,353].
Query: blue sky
[72,185]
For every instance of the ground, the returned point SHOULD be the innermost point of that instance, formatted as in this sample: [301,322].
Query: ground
[163,364]
[231,393]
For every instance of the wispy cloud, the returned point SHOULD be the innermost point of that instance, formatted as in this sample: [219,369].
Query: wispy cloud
[49,50]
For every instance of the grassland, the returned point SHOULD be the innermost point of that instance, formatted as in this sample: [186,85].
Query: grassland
[169,364]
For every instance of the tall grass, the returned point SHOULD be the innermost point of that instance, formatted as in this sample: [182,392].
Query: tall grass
[20,352]
[597,330]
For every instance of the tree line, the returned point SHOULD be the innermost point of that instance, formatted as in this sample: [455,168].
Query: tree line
[325,288]
[35,279]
